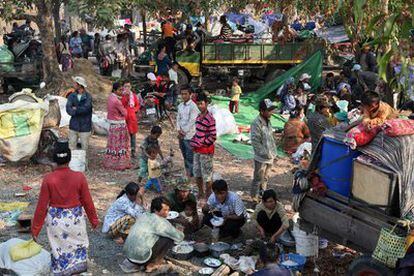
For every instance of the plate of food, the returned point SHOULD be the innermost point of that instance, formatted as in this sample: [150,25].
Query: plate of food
[212,262]
[172,215]
[206,271]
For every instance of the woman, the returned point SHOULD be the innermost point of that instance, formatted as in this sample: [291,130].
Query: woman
[296,132]
[64,56]
[270,216]
[163,61]
[123,212]
[131,103]
[151,237]
[75,45]
[117,150]
[63,194]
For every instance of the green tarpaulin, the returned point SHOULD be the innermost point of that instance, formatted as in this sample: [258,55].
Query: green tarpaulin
[248,106]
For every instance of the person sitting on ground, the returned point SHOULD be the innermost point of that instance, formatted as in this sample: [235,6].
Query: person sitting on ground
[295,132]
[180,195]
[269,259]
[343,89]
[235,96]
[226,204]
[190,217]
[179,199]
[289,102]
[318,121]
[151,237]
[329,82]
[301,97]
[283,90]
[375,111]
[271,217]
[123,212]
[154,169]
[149,141]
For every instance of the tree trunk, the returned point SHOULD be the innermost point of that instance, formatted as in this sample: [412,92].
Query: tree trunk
[56,19]
[51,72]
[144,28]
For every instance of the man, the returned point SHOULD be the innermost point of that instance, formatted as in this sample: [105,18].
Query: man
[227,205]
[186,119]
[180,195]
[151,237]
[264,148]
[368,60]
[86,43]
[362,81]
[203,146]
[304,81]
[79,107]
[168,33]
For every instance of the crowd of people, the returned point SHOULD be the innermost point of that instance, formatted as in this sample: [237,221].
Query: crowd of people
[145,233]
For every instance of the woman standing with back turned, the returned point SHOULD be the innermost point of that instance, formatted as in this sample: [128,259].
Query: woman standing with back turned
[63,196]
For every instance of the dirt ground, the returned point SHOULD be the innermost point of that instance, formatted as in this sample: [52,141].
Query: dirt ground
[105,255]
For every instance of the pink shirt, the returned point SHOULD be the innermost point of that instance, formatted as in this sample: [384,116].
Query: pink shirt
[116,111]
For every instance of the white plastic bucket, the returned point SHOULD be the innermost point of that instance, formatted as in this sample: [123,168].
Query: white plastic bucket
[306,244]
[78,161]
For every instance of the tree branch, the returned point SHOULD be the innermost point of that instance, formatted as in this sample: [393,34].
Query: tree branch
[25,16]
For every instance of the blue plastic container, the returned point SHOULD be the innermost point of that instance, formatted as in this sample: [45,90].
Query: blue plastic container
[335,166]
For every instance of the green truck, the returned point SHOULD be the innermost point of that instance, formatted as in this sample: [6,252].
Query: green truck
[264,61]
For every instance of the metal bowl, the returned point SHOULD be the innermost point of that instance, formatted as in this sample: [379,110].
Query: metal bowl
[182,252]
[218,248]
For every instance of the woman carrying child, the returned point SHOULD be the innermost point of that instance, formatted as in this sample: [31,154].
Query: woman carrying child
[123,212]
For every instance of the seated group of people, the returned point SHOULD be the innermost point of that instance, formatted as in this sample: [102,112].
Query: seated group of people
[148,235]
[333,105]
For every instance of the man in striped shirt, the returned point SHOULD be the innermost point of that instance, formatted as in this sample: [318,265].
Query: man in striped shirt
[226,31]
[203,147]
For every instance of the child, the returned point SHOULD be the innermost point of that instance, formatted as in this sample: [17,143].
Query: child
[190,210]
[235,96]
[149,141]
[190,214]
[123,212]
[154,170]
[375,111]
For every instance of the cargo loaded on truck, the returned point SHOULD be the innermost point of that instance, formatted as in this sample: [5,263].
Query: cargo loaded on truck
[370,189]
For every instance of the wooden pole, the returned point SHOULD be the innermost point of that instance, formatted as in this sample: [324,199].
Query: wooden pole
[144,28]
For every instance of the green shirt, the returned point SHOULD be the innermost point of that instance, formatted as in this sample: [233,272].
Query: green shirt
[145,233]
[176,205]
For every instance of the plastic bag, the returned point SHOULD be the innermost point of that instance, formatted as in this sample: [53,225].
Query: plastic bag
[37,265]
[24,250]
[78,161]
[100,124]
[225,122]
[20,127]
[6,57]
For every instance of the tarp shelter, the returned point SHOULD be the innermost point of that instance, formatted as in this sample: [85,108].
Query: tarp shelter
[248,105]
[334,34]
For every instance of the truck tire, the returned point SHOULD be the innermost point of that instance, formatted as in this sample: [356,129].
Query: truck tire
[271,75]
[366,266]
